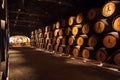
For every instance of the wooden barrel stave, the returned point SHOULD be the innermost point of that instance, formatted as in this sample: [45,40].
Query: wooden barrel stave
[111,9]
[59,40]
[62,49]
[101,54]
[56,32]
[87,53]
[76,51]
[111,40]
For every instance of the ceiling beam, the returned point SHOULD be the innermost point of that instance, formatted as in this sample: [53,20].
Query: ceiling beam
[25,21]
[58,2]
[29,14]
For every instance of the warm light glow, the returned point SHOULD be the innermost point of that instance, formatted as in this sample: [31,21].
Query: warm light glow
[19,40]
[3,24]
[3,4]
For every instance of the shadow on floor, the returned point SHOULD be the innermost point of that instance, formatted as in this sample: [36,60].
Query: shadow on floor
[29,64]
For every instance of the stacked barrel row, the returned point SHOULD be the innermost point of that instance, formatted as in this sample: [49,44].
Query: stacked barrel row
[36,37]
[32,39]
[40,42]
[59,36]
[90,35]
[108,27]
[48,36]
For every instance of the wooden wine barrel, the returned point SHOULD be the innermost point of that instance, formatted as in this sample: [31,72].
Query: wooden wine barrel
[116,23]
[92,14]
[68,50]
[87,52]
[54,40]
[41,40]
[36,32]
[56,48]
[71,20]
[79,18]
[85,28]
[76,29]
[47,28]
[82,40]
[50,41]
[50,47]
[41,45]
[117,57]
[32,33]
[71,40]
[110,40]
[63,40]
[59,40]
[56,32]
[40,35]
[101,54]
[45,34]
[39,31]
[53,26]
[36,36]
[46,40]
[102,26]
[92,41]
[57,25]
[45,46]
[49,35]
[32,36]
[76,51]
[67,31]
[62,49]
[111,8]
[61,32]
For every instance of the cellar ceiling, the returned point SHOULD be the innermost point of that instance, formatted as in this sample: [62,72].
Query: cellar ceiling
[27,15]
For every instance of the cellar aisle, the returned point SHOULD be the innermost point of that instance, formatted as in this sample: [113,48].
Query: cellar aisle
[30,64]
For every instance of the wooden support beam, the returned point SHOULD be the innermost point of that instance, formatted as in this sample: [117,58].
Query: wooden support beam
[25,21]
[58,2]
[29,14]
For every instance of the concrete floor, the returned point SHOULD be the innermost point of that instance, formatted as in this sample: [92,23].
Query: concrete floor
[30,64]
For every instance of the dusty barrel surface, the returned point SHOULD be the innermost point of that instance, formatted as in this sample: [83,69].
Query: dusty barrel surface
[68,49]
[110,40]
[82,40]
[116,23]
[62,49]
[92,41]
[76,51]
[56,48]
[87,53]
[111,8]
[71,40]
[71,20]
[76,29]
[117,57]
[54,40]
[49,47]
[79,18]
[67,31]
[92,14]
[59,40]
[65,40]
[57,24]
[102,26]
[61,32]
[75,19]
[47,28]
[101,54]
[56,32]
